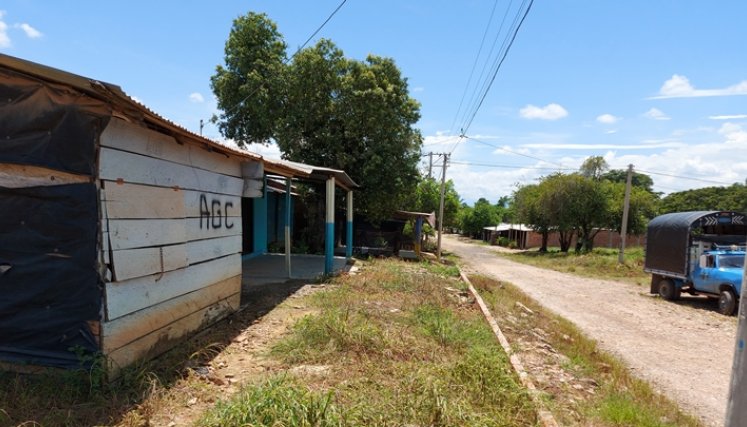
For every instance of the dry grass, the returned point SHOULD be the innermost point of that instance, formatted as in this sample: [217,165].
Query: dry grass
[398,344]
[599,263]
[585,385]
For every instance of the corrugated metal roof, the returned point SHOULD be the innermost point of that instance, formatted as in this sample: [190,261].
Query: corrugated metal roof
[505,226]
[124,104]
[318,173]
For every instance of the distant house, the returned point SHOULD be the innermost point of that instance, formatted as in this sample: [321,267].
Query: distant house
[122,232]
[524,237]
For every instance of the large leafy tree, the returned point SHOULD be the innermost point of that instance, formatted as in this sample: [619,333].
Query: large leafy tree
[249,86]
[482,214]
[731,198]
[357,116]
[638,179]
[427,198]
[527,208]
[324,109]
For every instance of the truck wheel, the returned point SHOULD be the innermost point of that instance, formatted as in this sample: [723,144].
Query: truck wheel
[667,290]
[727,302]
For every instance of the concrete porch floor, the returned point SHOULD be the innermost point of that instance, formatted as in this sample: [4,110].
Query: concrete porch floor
[270,268]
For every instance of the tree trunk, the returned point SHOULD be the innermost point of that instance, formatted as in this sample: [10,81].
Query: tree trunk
[545,236]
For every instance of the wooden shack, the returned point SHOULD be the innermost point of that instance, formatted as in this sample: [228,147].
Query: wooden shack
[121,232]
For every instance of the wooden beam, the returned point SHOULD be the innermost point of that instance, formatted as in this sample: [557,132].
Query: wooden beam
[22,176]
[127,329]
[129,296]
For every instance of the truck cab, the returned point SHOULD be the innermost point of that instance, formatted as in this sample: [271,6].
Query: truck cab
[719,273]
[701,253]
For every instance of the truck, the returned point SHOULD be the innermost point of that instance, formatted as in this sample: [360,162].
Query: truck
[699,253]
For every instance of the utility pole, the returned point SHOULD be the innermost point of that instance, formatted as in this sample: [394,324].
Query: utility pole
[441,207]
[626,208]
[736,407]
[430,164]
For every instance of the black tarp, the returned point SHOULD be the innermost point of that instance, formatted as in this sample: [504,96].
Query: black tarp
[669,236]
[48,125]
[49,286]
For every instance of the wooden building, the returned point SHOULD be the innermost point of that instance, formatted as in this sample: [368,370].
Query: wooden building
[121,232]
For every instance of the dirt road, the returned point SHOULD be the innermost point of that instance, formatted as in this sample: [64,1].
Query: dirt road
[684,349]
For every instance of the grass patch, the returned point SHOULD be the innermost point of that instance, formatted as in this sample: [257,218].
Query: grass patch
[279,401]
[400,346]
[618,398]
[600,263]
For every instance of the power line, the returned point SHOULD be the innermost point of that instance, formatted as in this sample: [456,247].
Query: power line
[287,60]
[493,165]
[474,65]
[512,152]
[467,125]
[685,177]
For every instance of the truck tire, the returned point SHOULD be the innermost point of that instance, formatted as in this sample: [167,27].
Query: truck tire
[668,290]
[727,302]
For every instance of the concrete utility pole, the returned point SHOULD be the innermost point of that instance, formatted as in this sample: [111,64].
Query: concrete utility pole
[430,164]
[441,207]
[736,408]
[626,208]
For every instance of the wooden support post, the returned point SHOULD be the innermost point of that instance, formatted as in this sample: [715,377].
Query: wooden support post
[288,217]
[329,235]
[418,234]
[349,234]
[736,406]
[624,226]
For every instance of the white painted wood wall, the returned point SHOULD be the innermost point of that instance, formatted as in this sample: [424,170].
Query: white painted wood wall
[171,233]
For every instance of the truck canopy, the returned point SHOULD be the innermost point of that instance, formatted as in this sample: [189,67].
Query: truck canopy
[669,237]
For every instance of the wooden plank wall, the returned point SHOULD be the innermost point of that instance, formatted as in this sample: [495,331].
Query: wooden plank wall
[171,233]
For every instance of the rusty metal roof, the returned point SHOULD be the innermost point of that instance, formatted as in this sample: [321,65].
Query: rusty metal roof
[124,104]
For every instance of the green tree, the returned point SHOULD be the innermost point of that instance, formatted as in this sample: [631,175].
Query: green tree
[427,198]
[322,109]
[249,87]
[642,207]
[527,209]
[636,180]
[482,215]
[594,167]
[731,198]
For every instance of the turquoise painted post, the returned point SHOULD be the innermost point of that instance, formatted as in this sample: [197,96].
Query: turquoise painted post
[349,239]
[287,226]
[329,235]
[418,234]
[260,222]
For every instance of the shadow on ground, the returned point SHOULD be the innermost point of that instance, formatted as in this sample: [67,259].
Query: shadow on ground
[66,398]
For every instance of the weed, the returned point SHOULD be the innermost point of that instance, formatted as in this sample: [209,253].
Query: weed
[276,402]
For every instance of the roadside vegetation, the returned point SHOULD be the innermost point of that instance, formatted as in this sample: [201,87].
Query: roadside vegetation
[395,344]
[399,344]
[599,263]
[584,385]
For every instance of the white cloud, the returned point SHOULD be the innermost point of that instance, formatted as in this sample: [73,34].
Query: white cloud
[417,89]
[611,131]
[733,133]
[440,139]
[30,31]
[680,87]
[605,146]
[548,112]
[4,38]
[607,119]
[196,97]
[271,151]
[656,114]
[729,117]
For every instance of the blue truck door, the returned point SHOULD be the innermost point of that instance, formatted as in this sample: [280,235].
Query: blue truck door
[703,277]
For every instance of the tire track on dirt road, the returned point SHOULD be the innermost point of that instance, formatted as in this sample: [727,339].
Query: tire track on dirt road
[685,352]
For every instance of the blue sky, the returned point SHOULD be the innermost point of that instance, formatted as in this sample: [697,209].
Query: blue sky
[659,84]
